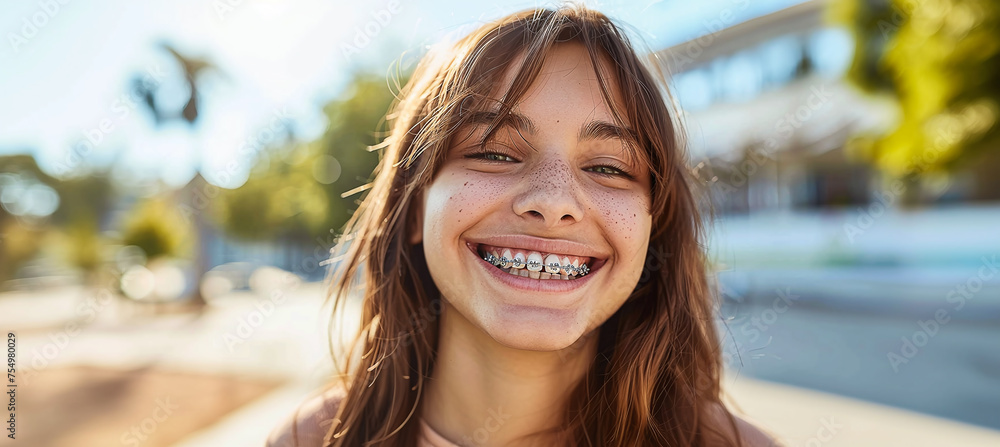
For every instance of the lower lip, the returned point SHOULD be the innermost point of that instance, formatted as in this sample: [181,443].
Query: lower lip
[531,284]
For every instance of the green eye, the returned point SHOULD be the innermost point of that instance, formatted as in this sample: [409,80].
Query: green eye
[606,170]
[493,156]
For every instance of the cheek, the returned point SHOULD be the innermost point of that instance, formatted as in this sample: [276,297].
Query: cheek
[626,218]
[457,200]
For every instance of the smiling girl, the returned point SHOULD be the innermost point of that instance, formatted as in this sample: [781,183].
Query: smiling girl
[529,258]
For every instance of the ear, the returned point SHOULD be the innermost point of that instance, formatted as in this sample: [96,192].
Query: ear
[415,222]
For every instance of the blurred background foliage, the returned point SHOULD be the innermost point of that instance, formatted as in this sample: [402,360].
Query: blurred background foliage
[940,59]
[157,227]
[295,192]
[36,206]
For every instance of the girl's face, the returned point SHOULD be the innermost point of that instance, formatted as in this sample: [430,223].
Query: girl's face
[556,184]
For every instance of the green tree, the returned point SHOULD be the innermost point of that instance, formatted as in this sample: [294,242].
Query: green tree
[157,227]
[21,236]
[941,60]
[84,198]
[295,191]
[18,243]
[82,201]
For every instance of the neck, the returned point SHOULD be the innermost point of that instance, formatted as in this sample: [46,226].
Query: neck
[484,393]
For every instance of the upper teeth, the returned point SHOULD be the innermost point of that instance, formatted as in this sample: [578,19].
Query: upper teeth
[518,261]
[533,263]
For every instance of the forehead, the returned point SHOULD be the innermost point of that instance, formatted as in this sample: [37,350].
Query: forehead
[566,87]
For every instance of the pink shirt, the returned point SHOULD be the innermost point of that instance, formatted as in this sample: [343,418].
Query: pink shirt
[430,438]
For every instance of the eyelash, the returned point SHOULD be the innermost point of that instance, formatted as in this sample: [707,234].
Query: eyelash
[482,153]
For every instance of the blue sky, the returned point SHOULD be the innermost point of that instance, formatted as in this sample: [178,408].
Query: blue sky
[65,67]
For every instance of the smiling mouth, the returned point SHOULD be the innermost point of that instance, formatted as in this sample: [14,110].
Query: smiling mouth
[534,264]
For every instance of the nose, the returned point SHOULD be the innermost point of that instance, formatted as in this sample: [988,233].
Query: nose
[549,194]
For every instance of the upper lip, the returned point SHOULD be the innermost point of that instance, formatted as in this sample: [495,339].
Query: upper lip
[543,245]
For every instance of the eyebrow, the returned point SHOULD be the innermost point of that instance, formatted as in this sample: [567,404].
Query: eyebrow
[594,130]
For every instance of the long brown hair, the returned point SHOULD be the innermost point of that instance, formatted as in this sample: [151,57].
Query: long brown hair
[655,380]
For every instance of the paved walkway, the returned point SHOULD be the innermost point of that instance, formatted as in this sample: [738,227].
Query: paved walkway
[284,338]
[802,417]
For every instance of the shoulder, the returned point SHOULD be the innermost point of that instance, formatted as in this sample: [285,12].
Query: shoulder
[308,424]
[751,435]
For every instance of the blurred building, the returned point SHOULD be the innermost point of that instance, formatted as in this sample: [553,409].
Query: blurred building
[240,258]
[768,113]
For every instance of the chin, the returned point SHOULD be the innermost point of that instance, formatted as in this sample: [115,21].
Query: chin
[534,328]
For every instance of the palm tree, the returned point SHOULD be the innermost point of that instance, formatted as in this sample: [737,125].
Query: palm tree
[193,68]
